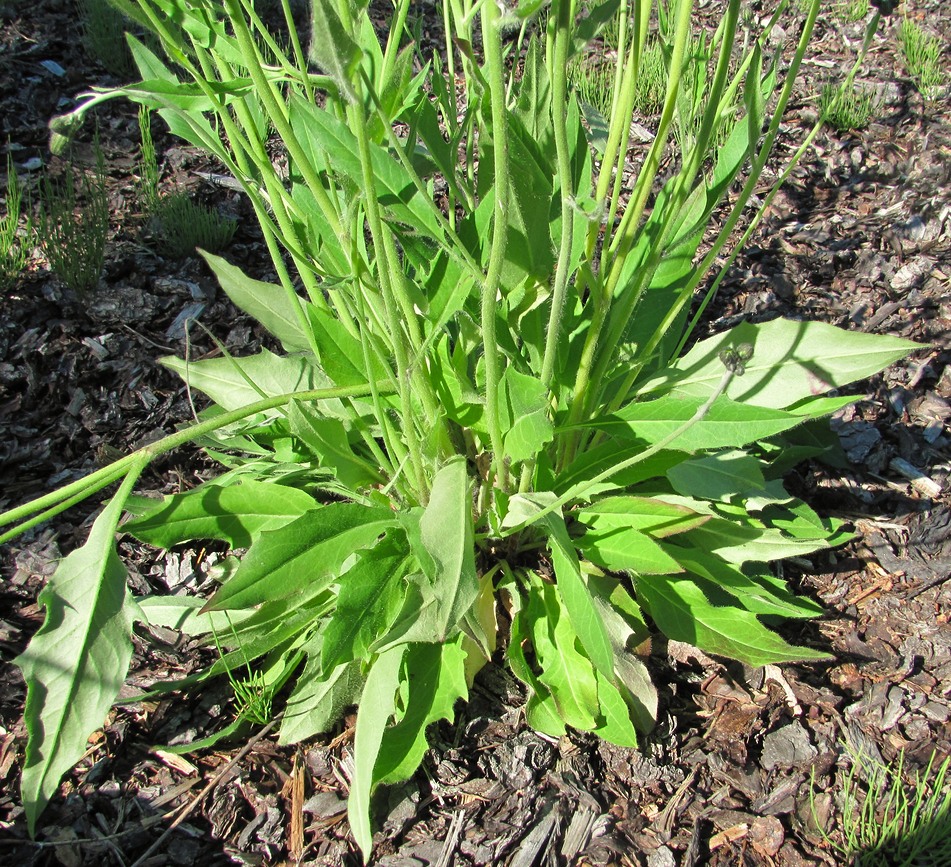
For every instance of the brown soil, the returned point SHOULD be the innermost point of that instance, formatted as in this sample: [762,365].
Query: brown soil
[860,238]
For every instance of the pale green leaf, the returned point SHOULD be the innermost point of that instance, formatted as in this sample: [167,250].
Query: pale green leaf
[564,670]
[571,584]
[233,383]
[331,46]
[751,594]
[791,361]
[232,513]
[267,303]
[614,722]
[76,663]
[526,425]
[740,544]
[338,146]
[654,517]
[624,549]
[377,706]
[182,613]
[446,547]
[628,632]
[435,679]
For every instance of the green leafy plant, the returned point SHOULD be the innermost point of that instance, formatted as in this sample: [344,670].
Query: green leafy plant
[182,224]
[73,222]
[492,401]
[14,238]
[104,37]
[148,163]
[593,82]
[853,10]
[922,55]
[892,819]
[847,107]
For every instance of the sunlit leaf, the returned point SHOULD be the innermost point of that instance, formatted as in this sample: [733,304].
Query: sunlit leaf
[76,663]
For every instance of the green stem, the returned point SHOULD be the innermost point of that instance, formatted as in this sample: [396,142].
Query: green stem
[277,113]
[585,382]
[564,15]
[558,65]
[102,477]
[391,284]
[491,288]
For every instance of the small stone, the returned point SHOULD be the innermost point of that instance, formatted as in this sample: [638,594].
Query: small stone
[767,835]
[787,747]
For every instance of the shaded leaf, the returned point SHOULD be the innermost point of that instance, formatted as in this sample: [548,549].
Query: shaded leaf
[726,424]
[683,612]
[720,476]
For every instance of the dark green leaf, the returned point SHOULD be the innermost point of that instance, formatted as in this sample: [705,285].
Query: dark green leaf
[683,612]
[235,514]
[305,554]
[433,681]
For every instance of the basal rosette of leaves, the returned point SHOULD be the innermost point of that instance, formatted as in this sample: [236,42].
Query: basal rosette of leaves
[484,432]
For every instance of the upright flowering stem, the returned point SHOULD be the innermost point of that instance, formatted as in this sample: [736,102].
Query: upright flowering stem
[491,287]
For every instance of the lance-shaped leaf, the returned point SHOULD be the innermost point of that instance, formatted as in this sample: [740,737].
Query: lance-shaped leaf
[721,476]
[628,632]
[445,547]
[377,705]
[624,549]
[726,424]
[369,599]
[332,47]
[434,680]
[791,361]
[654,517]
[235,514]
[682,610]
[319,697]
[233,383]
[327,439]
[78,660]
[754,594]
[268,303]
[572,589]
[304,555]
[564,670]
